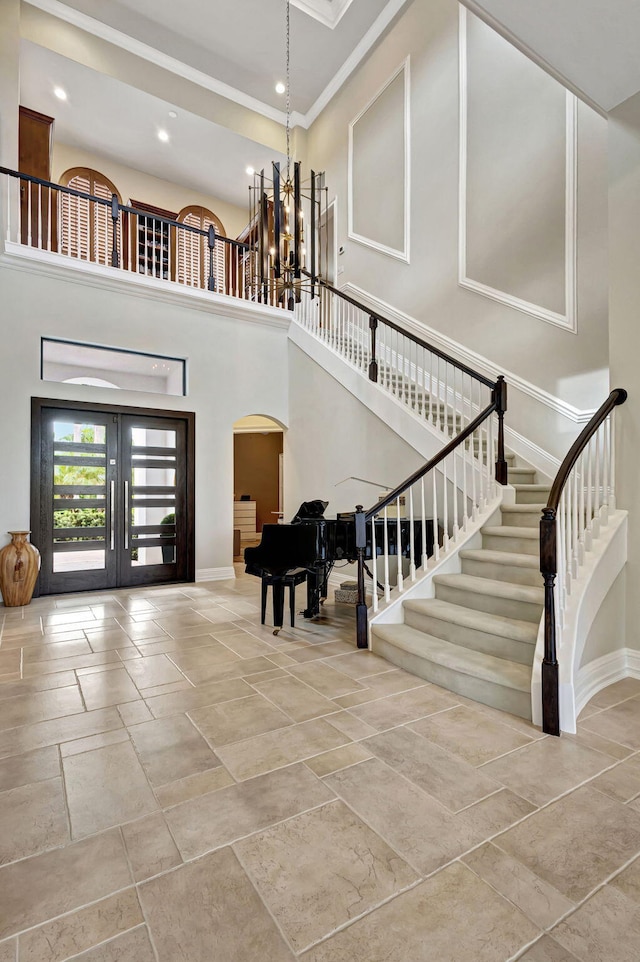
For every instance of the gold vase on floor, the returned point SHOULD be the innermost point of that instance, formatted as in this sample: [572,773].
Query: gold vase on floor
[19,567]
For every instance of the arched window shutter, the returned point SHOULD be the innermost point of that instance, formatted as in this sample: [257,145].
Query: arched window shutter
[193,250]
[86,229]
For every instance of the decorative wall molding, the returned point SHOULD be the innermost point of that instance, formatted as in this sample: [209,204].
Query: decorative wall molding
[568,320]
[600,673]
[180,69]
[477,361]
[403,254]
[328,12]
[75,271]
[215,574]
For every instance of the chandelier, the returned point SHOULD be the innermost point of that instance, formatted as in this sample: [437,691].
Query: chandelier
[283,210]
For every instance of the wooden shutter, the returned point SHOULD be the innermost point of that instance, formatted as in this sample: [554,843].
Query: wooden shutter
[193,250]
[86,229]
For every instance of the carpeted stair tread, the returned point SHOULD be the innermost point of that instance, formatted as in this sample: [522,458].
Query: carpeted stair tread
[511,531]
[501,557]
[488,668]
[495,589]
[522,631]
[522,508]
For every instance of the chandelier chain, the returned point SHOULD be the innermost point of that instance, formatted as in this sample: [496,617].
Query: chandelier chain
[288,3]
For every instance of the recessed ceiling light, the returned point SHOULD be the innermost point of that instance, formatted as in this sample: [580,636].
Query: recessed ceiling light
[163,136]
[250,171]
[173,114]
[60,93]
[280,87]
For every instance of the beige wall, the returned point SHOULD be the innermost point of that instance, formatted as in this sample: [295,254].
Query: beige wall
[151,190]
[573,367]
[9,97]
[607,633]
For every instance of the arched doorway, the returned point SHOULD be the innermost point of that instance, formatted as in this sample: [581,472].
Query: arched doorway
[257,478]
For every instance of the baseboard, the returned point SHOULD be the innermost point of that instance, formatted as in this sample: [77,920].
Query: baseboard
[215,574]
[604,671]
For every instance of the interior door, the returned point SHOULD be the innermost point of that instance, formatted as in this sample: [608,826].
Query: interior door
[112,498]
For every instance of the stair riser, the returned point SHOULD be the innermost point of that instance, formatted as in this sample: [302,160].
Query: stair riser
[505,607]
[524,519]
[517,476]
[531,497]
[504,699]
[496,572]
[466,637]
[517,545]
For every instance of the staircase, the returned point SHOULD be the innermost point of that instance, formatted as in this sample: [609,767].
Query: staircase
[477,636]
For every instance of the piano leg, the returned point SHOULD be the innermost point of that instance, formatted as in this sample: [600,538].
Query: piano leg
[278,604]
[313,594]
[263,605]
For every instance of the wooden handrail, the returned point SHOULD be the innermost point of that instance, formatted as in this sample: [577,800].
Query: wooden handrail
[549,562]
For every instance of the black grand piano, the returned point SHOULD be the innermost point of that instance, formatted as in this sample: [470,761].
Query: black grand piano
[308,548]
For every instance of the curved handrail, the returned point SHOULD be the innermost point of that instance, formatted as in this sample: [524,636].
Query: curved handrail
[617,396]
[401,330]
[549,561]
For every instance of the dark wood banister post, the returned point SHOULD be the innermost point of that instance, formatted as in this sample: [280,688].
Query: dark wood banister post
[373,363]
[211,240]
[500,397]
[550,669]
[115,213]
[361,606]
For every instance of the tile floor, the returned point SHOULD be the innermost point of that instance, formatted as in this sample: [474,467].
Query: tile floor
[177,784]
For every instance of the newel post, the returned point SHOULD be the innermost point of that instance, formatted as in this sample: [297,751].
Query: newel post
[115,213]
[361,606]
[211,240]
[550,670]
[500,397]
[373,363]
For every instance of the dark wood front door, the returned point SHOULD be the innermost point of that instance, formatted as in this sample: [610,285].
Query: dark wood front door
[112,496]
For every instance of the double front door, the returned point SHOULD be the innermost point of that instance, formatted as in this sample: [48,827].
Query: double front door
[112,497]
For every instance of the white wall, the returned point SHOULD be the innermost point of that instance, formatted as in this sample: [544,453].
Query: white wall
[572,367]
[235,367]
[607,632]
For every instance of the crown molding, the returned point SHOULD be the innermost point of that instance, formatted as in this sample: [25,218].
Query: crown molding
[477,361]
[104,32]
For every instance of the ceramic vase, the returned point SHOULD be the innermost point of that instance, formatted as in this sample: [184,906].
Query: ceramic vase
[19,567]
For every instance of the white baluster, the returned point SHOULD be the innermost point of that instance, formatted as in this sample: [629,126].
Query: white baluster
[573,481]
[454,459]
[612,462]
[374,566]
[588,541]
[430,356]
[606,460]
[596,493]
[387,587]
[400,578]
[436,537]
[581,508]
[474,469]
[465,483]
[424,524]
[412,557]
[445,505]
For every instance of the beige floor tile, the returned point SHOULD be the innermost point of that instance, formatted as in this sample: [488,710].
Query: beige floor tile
[295,698]
[629,881]
[171,748]
[210,903]
[231,721]
[547,950]
[451,917]
[397,681]
[106,787]
[324,650]
[64,664]
[24,739]
[168,689]
[539,901]
[196,698]
[224,671]
[575,843]
[320,869]
[61,679]
[150,847]
[9,950]
[621,782]
[245,645]
[339,758]
[146,632]
[133,946]
[107,639]
[547,768]
[504,718]
[416,825]
[45,886]
[470,735]
[379,714]
[134,713]
[106,688]
[221,817]
[33,818]
[36,766]
[81,745]
[156,670]
[349,725]
[614,694]
[450,780]
[72,934]
[64,649]
[321,676]
[604,929]
[604,745]
[193,786]
[356,664]
[41,706]
[620,723]
[496,813]
[269,751]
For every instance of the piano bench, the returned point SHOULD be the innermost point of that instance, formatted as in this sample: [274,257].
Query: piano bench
[278,583]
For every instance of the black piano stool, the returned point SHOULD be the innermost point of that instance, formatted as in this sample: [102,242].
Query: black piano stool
[278,583]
